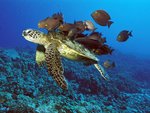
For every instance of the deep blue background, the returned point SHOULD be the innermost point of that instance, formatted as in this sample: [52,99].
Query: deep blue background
[17,15]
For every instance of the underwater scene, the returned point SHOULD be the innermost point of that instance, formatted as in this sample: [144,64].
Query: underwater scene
[81,56]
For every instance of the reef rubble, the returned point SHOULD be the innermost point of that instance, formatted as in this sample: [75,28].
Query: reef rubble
[27,88]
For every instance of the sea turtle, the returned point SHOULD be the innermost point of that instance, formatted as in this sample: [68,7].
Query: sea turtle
[53,46]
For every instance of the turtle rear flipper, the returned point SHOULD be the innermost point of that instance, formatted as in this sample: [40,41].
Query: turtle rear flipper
[102,71]
[40,55]
[54,65]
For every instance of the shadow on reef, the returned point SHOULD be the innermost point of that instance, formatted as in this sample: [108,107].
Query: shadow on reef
[27,88]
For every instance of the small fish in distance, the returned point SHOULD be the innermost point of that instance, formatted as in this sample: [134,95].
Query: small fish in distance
[124,35]
[109,64]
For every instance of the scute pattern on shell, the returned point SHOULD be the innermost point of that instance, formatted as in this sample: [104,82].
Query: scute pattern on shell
[77,47]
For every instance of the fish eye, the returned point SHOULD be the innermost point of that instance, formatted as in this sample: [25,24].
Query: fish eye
[60,21]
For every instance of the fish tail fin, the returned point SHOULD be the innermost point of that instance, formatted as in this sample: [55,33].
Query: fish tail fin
[111,51]
[109,23]
[102,71]
[130,34]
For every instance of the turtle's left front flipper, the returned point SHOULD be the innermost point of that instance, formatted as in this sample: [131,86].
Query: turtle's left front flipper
[54,65]
[40,55]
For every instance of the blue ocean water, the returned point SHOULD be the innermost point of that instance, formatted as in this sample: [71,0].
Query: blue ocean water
[18,15]
[27,88]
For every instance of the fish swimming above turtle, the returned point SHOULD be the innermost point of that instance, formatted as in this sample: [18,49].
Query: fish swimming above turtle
[51,23]
[88,43]
[54,47]
[96,43]
[104,50]
[72,30]
[97,36]
[102,18]
[92,41]
[89,25]
[68,29]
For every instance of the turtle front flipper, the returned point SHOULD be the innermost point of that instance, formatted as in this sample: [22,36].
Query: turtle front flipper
[40,55]
[54,65]
[102,71]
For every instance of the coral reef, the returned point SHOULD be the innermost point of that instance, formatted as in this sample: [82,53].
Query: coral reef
[27,88]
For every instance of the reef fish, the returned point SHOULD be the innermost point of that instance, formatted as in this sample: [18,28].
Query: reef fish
[80,26]
[89,25]
[72,30]
[124,35]
[109,64]
[97,36]
[103,50]
[102,18]
[51,23]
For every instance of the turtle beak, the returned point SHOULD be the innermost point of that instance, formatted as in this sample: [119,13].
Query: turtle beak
[26,32]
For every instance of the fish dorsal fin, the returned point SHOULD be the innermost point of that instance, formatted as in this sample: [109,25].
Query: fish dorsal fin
[54,65]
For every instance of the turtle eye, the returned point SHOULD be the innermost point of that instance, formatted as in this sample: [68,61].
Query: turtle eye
[29,31]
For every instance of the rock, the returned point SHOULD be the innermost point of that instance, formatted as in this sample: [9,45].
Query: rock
[23,82]
[12,53]
[21,108]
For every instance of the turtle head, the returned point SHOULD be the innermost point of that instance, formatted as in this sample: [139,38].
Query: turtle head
[34,36]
